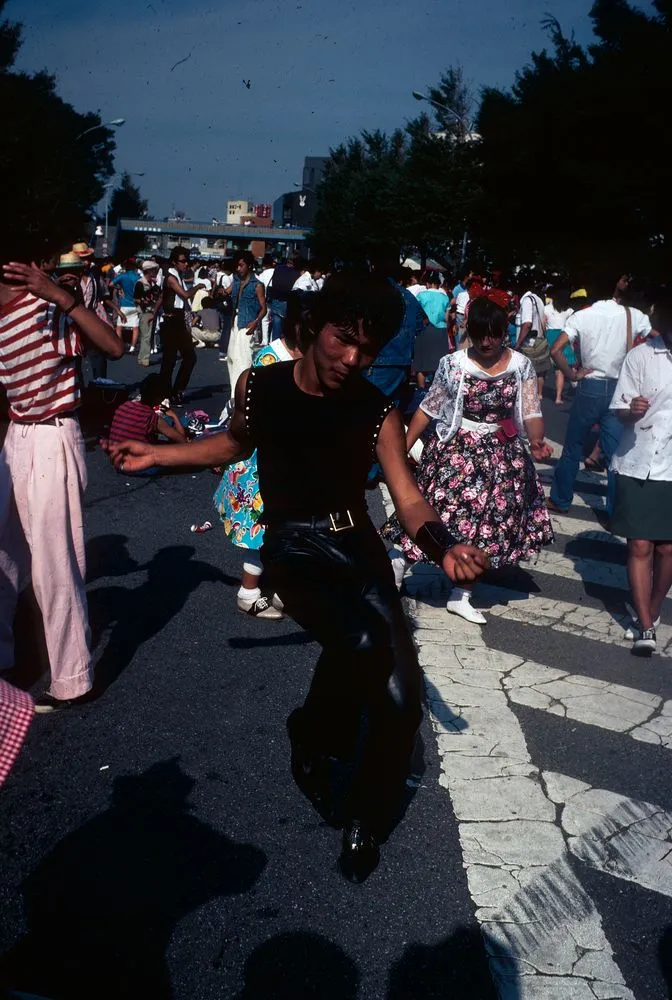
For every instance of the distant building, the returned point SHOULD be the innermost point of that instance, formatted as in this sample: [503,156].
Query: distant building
[235,210]
[297,208]
[313,171]
[263,211]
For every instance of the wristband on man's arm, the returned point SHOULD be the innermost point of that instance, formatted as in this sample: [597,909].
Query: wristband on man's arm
[73,305]
[434,539]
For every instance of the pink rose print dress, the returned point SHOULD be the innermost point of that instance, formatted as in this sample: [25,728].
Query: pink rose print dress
[486,491]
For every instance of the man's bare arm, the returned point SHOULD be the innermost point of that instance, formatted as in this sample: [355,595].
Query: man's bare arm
[29,278]
[218,449]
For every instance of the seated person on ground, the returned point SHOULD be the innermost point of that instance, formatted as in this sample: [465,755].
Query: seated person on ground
[138,419]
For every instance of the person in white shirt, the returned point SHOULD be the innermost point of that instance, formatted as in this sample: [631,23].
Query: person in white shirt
[642,465]
[268,270]
[305,282]
[202,278]
[531,323]
[604,333]
[175,330]
[415,283]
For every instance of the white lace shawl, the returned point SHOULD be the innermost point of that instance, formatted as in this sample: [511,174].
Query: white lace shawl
[445,399]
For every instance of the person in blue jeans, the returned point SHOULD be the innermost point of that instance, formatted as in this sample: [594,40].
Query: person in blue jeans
[604,333]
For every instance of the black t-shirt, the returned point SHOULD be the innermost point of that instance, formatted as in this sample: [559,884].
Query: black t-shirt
[281,283]
[314,453]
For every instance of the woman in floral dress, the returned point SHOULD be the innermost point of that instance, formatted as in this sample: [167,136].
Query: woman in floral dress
[237,497]
[475,470]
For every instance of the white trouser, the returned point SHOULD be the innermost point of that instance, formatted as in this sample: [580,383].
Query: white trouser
[239,356]
[42,478]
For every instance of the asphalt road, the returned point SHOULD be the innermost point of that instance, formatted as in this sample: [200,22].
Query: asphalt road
[153,843]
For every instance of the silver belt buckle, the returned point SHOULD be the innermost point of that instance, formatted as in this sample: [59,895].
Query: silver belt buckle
[336,526]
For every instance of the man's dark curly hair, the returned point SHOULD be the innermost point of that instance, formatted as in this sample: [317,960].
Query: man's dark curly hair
[351,297]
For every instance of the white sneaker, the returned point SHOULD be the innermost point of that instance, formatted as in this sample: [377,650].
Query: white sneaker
[634,630]
[261,608]
[131,349]
[645,643]
[459,603]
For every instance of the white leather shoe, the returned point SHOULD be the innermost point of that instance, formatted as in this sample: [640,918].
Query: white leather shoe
[459,603]
[399,567]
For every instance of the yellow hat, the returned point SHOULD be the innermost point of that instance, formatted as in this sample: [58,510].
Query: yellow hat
[83,249]
[69,261]
[580,293]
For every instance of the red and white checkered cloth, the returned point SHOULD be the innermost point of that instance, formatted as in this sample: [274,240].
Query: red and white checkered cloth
[16,713]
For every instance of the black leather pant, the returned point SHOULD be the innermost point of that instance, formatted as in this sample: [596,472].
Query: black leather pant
[365,700]
[176,339]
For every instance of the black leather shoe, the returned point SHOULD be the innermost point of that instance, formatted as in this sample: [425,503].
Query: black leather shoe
[360,853]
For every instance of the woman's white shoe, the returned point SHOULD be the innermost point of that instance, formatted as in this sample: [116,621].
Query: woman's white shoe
[399,565]
[459,603]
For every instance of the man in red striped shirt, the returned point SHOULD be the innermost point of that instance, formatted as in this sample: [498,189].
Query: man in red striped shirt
[44,329]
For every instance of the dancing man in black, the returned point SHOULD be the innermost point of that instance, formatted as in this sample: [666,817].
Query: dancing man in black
[321,553]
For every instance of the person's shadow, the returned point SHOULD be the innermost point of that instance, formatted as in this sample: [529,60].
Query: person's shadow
[299,965]
[456,967]
[665,958]
[139,613]
[308,966]
[102,906]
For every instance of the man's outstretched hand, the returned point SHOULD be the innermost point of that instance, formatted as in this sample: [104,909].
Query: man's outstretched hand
[465,563]
[130,456]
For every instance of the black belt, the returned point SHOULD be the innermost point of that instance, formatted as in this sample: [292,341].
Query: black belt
[50,420]
[335,521]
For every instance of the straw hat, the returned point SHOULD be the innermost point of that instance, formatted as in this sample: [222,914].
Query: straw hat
[83,249]
[68,261]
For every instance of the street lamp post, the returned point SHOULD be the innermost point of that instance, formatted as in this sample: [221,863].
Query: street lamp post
[465,127]
[110,184]
[115,122]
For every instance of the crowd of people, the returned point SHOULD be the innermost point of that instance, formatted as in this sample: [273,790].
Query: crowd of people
[334,353]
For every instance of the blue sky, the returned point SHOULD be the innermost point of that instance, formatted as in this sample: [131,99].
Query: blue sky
[319,71]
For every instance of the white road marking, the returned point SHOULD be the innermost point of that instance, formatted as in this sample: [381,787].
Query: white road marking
[582,499]
[576,528]
[561,616]
[543,933]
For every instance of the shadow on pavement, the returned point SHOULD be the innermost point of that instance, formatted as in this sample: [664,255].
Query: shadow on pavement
[456,967]
[665,958]
[293,639]
[108,555]
[442,710]
[139,613]
[300,964]
[307,966]
[101,907]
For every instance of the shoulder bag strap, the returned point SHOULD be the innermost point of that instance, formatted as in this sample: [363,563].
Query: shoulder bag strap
[628,327]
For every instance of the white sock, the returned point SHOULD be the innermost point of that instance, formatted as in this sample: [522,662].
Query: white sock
[245,594]
[460,594]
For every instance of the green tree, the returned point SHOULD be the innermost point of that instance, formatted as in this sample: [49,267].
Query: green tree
[126,201]
[573,171]
[51,175]
[358,196]
[413,190]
